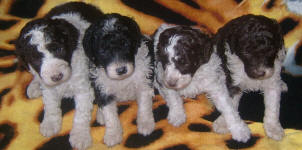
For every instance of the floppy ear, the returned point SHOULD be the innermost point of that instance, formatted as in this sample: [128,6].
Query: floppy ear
[88,41]
[20,45]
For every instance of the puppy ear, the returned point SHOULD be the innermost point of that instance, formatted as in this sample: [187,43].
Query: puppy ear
[20,45]
[207,51]
[88,41]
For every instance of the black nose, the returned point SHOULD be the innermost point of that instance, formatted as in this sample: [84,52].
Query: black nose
[121,70]
[57,77]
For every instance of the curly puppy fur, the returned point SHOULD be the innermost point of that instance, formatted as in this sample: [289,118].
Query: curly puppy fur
[252,51]
[121,69]
[186,65]
[51,49]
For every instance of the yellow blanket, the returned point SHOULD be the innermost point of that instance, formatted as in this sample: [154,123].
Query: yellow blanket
[20,117]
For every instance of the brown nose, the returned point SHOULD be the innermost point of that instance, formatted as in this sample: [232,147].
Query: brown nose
[57,77]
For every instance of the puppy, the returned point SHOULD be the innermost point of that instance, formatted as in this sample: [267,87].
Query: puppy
[51,49]
[121,70]
[186,65]
[252,50]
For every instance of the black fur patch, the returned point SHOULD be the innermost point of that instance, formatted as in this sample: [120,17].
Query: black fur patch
[161,12]
[67,105]
[232,144]
[198,127]
[178,147]
[7,133]
[26,8]
[89,12]
[4,52]
[213,116]
[151,54]
[57,143]
[138,140]
[288,24]
[9,69]
[191,3]
[5,24]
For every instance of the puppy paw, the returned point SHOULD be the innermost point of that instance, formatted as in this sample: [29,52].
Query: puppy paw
[33,90]
[80,139]
[241,132]
[50,127]
[219,126]
[177,118]
[274,131]
[145,127]
[112,138]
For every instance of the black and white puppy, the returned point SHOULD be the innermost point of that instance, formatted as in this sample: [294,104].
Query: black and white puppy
[186,65]
[121,70]
[252,50]
[52,51]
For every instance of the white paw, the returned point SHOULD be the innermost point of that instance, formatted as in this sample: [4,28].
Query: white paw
[219,126]
[80,139]
[274,130]
[241,132]
[33,90]
[145,127]
[50,127]
[112,138]
[177,118]
[284,87]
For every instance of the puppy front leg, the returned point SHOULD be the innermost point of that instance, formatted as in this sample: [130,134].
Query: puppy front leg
[113,131]
[219,125]
[52,120]
[145,119]
[271,121]
[80,136]
[239,130]
[33,90]
[176,115]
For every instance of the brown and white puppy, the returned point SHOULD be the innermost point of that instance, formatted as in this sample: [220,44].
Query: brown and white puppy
[52,51]
[186,65]
[252,50]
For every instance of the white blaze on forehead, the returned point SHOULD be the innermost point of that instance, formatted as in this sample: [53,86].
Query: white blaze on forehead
[170,49]
[109,24]
[38,38]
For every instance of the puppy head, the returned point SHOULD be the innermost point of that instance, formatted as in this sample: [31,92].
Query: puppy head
[259,41]
[111,43]
[46,47]
[181,50]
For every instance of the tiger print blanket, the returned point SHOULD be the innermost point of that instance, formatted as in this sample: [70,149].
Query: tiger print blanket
[20,117]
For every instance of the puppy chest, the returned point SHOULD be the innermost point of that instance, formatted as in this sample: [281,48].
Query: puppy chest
[123,91]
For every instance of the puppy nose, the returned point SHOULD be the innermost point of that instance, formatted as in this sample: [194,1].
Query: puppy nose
[121,70]
[57,77]
[172,83]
